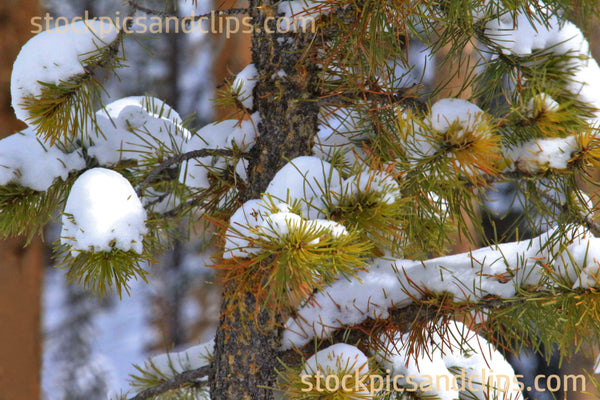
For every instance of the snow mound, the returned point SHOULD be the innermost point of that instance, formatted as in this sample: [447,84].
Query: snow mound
[103,212]
[304,178]
[27,161]
[485,374]
[54,56]
[132,127]
[445,112]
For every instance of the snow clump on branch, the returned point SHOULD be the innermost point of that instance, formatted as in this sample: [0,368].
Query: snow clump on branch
[55,56]
[103,212]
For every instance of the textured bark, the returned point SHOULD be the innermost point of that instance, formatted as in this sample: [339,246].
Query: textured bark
[20,268]
[249,331]
[287,103]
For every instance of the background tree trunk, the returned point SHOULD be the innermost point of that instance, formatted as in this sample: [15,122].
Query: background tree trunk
[20,268]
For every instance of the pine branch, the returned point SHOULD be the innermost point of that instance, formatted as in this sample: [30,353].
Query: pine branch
[576,216]
[349,98]
[163,14]
[68,107]
[176,382]
[178,159]
[403,319]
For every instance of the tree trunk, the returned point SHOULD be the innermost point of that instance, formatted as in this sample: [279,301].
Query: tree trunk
[249,330]
[20,268]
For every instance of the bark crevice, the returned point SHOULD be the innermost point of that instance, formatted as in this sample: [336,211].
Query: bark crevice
[285,96]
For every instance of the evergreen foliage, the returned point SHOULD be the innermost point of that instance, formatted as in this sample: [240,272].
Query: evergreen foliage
[397,172]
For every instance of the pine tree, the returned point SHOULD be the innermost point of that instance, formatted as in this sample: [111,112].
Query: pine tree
[333,193]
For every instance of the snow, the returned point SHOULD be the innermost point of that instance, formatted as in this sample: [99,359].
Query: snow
[336,133]
[339,360]
[579,263]
[335,358]
[26,160]
[222,135]
[451,120]
[256,220]
[170,364]
[132,127]
[298,14]
[54,56]
[373,181]
[540,154]
[585,84]
[541,103]
[518,36]
[307,179]
[446,112]
[281,224]
[241,229]
[244,84]
[452,347]
[103,212]
[389,283]
[418,69]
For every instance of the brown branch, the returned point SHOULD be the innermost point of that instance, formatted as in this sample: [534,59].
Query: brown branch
[176,382]
[404,319]
[178,159]
[163,14]
[403,96]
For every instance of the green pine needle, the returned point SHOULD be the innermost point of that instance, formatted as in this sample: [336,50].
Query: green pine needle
[65,111]
[102,271]
[25,211]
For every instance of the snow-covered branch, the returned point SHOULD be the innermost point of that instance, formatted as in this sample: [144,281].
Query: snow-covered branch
[496,271]
[178,159]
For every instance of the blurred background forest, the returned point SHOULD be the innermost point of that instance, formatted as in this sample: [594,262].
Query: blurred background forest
[58,342]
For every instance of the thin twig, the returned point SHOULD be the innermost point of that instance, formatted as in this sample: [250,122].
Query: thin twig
[163,14]
[188,204]
[176,382]
[577,216]
[405,96]
[179,158]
